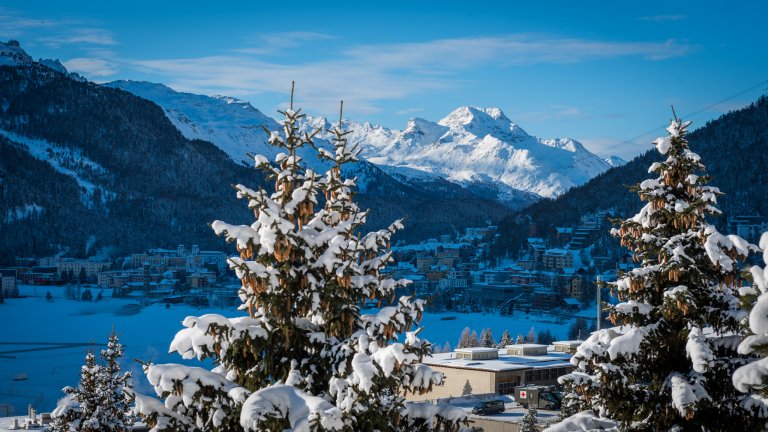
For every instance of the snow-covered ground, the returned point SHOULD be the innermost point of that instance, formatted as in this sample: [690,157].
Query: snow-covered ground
[33,325]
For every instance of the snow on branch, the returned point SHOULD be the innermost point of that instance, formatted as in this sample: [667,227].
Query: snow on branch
[685,395]
[628,343]
[699,351]
[287,402]
[183,387]
[585,421]
[751,376]
[157,415]
[723,250]
[198,338]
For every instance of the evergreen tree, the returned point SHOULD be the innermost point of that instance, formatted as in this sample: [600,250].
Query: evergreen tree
[752,378]
[567,407]
[464,339]
[98,403]
[447,347]
[667,365]
[520,339]
[303,357]
[545,337]
[474,341]
[78,410]
[112,383]
[506,339]
[486,339]
[578,330]
[530,419]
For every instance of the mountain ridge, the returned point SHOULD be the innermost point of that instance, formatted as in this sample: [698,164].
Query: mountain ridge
[545,167]
[88,167]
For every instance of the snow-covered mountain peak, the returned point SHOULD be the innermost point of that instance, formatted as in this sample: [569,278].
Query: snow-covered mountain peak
[420,131]
[478,148]
[483,121]
[311,124]
[615,161]
[235,101]
[11,54]
[54,64]
[568,144]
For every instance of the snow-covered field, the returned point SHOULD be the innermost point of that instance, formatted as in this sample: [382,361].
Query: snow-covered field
[147,333]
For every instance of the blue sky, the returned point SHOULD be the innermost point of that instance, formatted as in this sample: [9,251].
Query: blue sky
[604,73]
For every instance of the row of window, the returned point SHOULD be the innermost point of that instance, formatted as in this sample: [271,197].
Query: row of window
[543,374]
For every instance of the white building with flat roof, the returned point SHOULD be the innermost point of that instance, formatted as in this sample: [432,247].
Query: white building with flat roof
[488,370]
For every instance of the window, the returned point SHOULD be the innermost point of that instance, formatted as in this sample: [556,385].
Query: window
[506,387]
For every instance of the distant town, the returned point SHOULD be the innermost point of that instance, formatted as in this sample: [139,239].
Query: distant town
[556,274]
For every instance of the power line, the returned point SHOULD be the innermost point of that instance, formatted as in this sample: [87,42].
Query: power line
[689,115]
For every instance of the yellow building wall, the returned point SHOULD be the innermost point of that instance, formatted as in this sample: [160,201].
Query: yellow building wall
[455,380]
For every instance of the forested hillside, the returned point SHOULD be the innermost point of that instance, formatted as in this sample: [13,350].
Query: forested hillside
[734,149]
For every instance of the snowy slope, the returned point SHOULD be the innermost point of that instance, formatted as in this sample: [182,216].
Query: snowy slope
[68,161]
[11,54]
[233,125]
[615,161]
[481,147]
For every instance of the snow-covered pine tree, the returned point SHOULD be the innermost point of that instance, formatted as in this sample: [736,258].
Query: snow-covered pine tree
[98,403]
[752,378]
[486,339]
[77,409]
[506,339]
[464,339]
[667,363]
[529,421]
[303,357]
[446,347]
[112,383]
[474,341]
[520,339]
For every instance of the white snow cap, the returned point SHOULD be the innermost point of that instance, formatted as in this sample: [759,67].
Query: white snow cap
[585,421]
[284,401]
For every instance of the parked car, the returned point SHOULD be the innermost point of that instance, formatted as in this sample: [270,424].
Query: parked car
[489,407]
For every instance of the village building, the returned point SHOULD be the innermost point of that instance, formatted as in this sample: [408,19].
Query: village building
[8,280]
[495,371]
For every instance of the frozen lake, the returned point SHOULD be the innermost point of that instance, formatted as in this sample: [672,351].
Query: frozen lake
[146,334]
